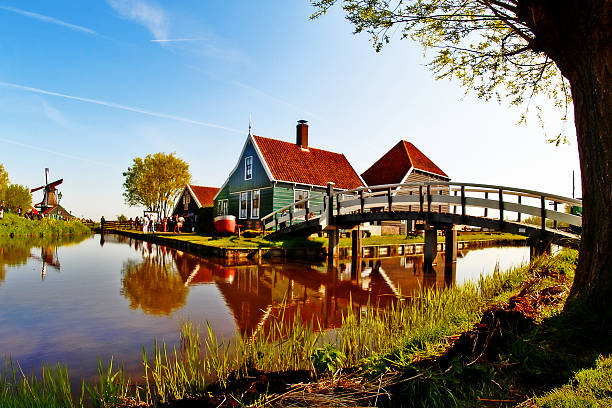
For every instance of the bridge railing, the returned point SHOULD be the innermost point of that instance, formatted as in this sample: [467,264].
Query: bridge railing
[299,211]
[455,197]
[447,197]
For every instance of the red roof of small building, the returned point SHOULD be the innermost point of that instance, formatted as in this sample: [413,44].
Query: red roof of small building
[205,195]
[395,164]
[289,162]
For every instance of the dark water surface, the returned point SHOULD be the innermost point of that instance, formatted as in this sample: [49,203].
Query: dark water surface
[72,302]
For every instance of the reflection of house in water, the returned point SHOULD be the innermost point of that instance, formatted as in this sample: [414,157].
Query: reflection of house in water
[259,295]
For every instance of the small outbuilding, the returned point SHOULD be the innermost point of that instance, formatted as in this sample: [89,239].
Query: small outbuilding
[193,198]
[405,163]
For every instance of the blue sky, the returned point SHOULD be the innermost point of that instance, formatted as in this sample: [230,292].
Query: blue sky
[87,86]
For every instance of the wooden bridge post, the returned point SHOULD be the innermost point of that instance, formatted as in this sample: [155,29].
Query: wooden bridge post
[430,249]
[538,247]
[330,203]
[356,247]
[333,236]
[450,245]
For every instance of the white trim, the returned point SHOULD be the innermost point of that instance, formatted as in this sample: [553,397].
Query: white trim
[245,168]
[194,196]
[259,203]
[295,190]
[250,189]
[246,209]
[261,159]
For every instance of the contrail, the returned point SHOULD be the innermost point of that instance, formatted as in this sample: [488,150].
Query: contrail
[69,156]
[51,20]
[122,107]
[176,40]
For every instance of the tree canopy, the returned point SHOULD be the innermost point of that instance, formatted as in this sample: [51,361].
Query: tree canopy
[517,49]
[4,182]
[17,196]
[155,181]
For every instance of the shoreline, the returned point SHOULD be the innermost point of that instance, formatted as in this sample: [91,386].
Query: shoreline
[303,253]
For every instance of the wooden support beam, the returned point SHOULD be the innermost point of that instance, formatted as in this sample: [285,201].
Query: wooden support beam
[428,198]
[330,204]
[486,212]
[362,201]
[356,245]
[333,246]
[543,212]
[555,225]
[291,215]
[463,205]
[501,207]
[430,248]
[450,245]
[389,198]
[275,221]
[519,213]
[420,198]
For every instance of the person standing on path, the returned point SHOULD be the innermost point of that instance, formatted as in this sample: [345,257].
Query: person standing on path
[145,224]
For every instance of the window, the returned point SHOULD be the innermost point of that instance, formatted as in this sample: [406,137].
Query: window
[186,200]
[299,195]
[248,168]
[243,205]
[222,210]
[255,204]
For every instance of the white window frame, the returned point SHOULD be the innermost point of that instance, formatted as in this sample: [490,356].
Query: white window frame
[295,193]
[244,194]
[223,207]
[255,214]
[248,160]
[186,200]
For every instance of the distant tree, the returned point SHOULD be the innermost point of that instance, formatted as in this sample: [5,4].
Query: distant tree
[4,182]
[518,49]
[121,218]
[18,196]
[155,181]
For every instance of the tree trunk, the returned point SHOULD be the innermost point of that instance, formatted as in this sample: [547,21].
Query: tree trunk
[577,35]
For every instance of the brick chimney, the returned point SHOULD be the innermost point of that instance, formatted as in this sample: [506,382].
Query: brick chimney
[302,134]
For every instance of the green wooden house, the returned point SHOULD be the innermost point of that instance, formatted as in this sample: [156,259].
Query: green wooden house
[271,174]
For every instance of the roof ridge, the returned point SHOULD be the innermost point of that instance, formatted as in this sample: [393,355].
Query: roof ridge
[404,142]
[293,144]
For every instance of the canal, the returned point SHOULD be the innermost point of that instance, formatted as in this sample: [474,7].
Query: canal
[73,302]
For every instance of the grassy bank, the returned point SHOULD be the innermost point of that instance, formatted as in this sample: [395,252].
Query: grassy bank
[319,242]
[14,225]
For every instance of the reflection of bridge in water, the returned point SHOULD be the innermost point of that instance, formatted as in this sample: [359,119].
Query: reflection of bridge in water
[254,293]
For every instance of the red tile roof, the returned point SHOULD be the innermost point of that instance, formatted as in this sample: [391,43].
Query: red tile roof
[289,162]
[205,195]
[393,166]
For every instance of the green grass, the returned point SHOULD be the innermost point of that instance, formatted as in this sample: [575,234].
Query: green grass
[590,387]
[321,242]
[19,226]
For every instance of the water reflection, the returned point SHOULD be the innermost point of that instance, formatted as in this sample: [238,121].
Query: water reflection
[159,282]
[16,251]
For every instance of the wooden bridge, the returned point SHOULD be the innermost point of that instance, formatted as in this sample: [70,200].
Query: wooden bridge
[437,206]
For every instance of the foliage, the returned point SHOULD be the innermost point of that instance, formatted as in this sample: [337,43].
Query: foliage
[155,181]
[17,196]
[488,45]
[327,359]
[122,218]
[4,182]
[20,226]
[589,388]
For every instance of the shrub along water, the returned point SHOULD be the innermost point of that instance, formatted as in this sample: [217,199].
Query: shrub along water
[13,225]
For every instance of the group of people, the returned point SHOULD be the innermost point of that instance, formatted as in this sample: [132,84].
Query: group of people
[31,215]
[176,224]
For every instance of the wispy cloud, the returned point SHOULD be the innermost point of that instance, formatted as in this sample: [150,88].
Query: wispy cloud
[55,115]
[171,40]
[153,17]
[55,152]
[51,20]
[122,107]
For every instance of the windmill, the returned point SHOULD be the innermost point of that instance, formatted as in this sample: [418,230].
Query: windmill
[50,197]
